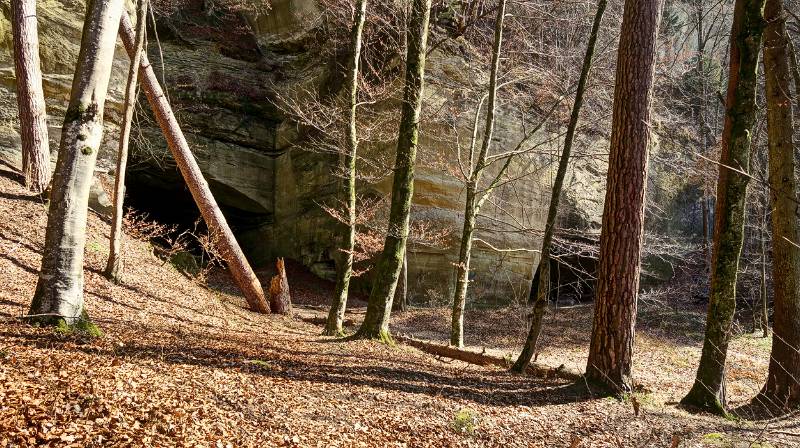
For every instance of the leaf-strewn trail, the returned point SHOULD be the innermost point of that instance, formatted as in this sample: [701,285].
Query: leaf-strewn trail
[184,365]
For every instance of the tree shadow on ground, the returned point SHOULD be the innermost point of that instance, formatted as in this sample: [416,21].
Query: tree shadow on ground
[489,387]
[762,409]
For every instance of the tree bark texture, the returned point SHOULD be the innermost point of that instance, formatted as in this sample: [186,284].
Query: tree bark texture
[708,391]
[345,272]
[114,265]
[30,96]
[387,270]
[783,380]
[280,300]
[59,290]
[611,348]
[242,273]
[472,204]
[542,274]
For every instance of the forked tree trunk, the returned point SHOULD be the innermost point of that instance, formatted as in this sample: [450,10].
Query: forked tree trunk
[473,202]
[783,380]
[708,391]
[541,289]
[333,327]
[59,290]
[611,349]
[387,270]
[280,300]
[30,96]
[231,252]
[114,265]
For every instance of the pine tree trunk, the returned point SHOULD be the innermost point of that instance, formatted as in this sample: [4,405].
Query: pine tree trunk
[114,265]
[473,202]
[611,349]
[333,327]
[541,289]
[783,380]
[242,273]
[59,291]
[30,96]
[708,391]
[387,270]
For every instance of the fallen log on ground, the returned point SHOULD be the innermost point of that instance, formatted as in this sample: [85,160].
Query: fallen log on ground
[482,359]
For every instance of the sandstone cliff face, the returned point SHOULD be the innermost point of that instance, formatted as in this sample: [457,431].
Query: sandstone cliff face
[222,71]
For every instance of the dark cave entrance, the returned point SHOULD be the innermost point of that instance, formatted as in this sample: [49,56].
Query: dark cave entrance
[573,271]
[164,197]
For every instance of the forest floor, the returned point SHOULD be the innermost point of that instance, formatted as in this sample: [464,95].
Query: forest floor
[181,364]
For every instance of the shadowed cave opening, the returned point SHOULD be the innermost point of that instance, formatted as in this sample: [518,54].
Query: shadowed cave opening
[164,197]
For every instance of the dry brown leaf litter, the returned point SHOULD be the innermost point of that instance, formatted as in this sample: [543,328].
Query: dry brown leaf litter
[183,365]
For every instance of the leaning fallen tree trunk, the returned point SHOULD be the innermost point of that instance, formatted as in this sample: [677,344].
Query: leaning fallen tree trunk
[242,272]
[482,359]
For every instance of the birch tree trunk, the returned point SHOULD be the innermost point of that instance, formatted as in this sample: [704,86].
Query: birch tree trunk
[783,380]
[114,265]
[611,348]
[242,273]
[708,391]
[333,326]
[471,207]
[59,291]
[387,270]
[542,288]
[30,96]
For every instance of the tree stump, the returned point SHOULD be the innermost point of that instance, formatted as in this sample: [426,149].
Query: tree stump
[280,300]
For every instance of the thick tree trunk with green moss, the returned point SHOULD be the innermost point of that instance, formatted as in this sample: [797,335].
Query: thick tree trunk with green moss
[708,391]
[540,286]
[611,349]
[387,270]
[474,197]
[59,291]
[783,380]
[30,96]
[333,327]
[114,265]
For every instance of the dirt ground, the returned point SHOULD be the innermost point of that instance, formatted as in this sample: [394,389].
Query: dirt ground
[181,364]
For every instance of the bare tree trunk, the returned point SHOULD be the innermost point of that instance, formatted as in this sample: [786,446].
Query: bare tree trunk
[114,265]
[30,96]
[336,315]
[783,380]
[387,270]
[473,203]
[59,291]
[240,269]
[280,300]
[760,311]
[400,302]
[542,274]
[708,391]
[611,349]
[702,124]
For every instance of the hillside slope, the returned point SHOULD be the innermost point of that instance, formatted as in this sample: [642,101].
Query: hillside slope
[182,365]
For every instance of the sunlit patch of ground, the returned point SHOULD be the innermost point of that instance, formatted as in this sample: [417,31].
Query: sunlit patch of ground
[184,365]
